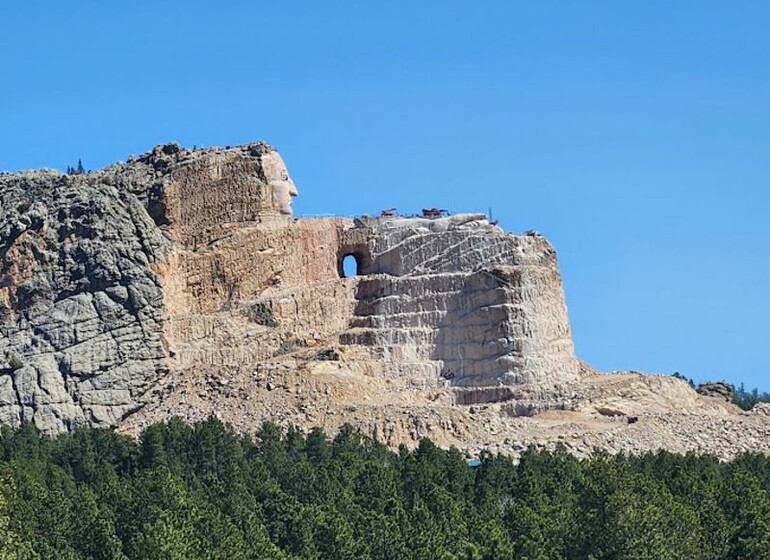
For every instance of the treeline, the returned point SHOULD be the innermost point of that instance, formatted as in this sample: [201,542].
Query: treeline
[206,492]
[746,399]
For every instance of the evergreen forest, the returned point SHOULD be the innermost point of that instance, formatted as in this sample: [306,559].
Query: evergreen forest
[206,492]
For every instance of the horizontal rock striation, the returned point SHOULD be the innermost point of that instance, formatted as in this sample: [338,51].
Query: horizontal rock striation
[487,308]
[190,261]
[179,283]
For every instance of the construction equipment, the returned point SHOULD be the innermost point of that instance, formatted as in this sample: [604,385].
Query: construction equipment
[434,212]
[388,212]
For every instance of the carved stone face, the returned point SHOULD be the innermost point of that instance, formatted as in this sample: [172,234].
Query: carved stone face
[278,180]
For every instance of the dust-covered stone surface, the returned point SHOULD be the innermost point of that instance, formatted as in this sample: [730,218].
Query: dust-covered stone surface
[179,283]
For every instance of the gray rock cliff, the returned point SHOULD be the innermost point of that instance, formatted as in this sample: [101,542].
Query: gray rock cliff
[179,284]
[81,337]
[81,310]
[108,276]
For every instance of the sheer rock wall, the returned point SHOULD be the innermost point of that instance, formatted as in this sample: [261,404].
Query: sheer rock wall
[81,330]
[485,306]
[121,285]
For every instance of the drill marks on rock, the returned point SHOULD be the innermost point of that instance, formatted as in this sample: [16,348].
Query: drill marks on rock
[438,298]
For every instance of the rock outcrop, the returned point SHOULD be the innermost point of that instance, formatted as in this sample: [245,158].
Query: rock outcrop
[485,307]
[719,389]
[179,283]
[81,330]
[83,319]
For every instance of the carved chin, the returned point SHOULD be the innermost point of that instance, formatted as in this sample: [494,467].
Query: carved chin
[282,198]
[284,206]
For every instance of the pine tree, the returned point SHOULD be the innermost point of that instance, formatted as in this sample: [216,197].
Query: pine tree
[12,547]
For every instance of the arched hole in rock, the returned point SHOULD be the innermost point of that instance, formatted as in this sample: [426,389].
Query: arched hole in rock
[354,260]
[350,266]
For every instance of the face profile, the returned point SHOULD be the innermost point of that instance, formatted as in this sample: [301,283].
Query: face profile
[277,177]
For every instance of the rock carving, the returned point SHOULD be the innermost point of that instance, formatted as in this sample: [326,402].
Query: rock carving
[179,283]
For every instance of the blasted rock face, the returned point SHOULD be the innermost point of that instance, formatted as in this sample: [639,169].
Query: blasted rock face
[82,321]
[486,307]
[119,286]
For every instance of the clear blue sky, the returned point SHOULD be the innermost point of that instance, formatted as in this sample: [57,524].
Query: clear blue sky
[635,135]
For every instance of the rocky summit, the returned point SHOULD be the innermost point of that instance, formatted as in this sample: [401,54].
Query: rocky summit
[178,283]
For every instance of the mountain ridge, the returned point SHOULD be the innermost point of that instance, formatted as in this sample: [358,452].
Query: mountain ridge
[179,283]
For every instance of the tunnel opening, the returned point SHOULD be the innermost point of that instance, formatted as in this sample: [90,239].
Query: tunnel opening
[353,261]
[350,266]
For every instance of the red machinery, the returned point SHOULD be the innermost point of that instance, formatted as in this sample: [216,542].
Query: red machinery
[434,212]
